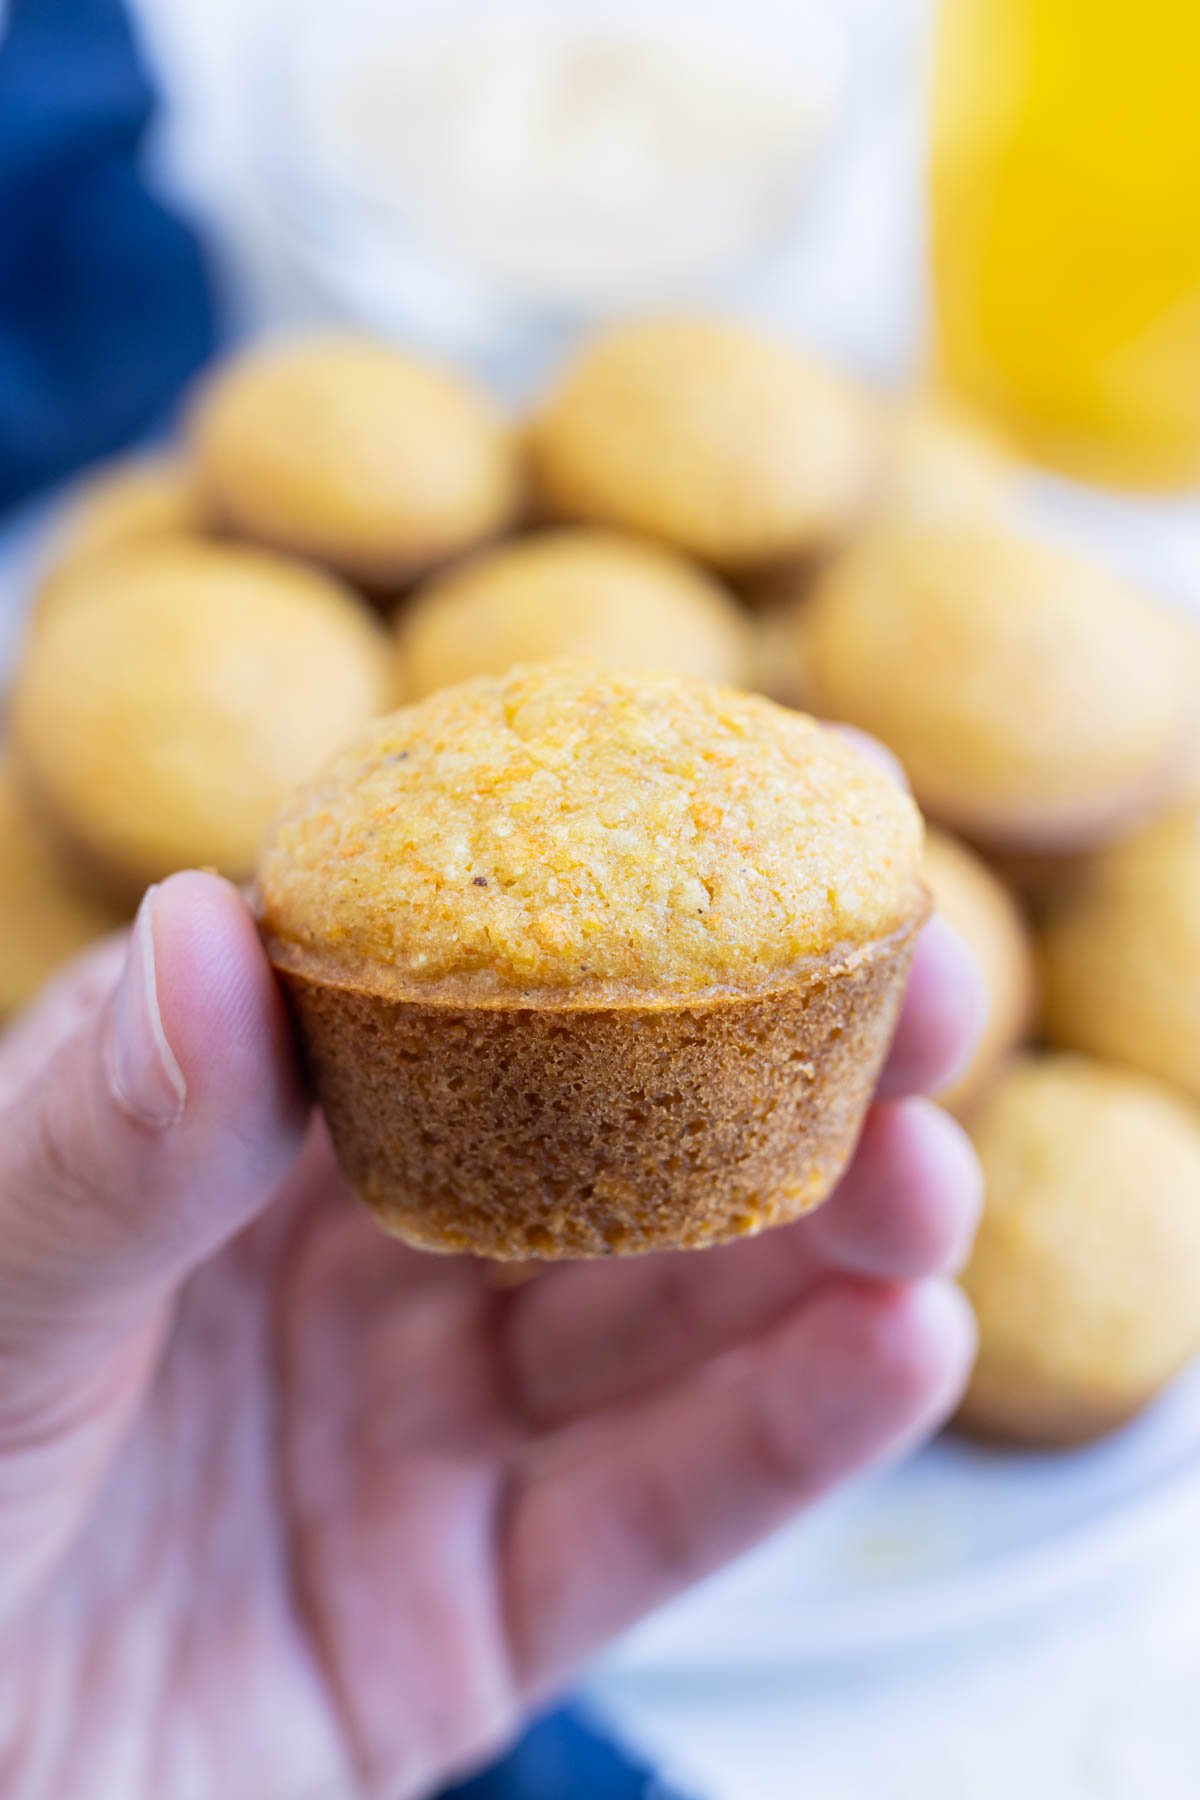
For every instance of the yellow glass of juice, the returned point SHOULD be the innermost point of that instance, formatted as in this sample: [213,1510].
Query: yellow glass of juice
[1065,198]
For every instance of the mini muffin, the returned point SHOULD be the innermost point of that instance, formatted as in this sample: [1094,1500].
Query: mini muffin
[1036,702]
[1121,953]
[44,917]
[987,918]
[732,447]
[592,963]
[354,454]
[572,593]
[1085,1277]
[172,696]
[939,463]
[134,501]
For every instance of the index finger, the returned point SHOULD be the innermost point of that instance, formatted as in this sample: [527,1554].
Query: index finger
[941,1018]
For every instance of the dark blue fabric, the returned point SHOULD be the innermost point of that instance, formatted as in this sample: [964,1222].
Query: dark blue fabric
[105,303]
[564,1757]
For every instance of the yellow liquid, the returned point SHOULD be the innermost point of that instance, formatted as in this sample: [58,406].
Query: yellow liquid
[1065,189]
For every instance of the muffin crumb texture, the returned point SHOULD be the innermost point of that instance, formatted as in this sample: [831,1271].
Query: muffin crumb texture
[566,828]
[518,1132]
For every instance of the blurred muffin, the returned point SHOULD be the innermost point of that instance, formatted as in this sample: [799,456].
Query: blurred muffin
[1041,880]
[1186,627]
[722,442]
[354,454]
[1036,702]
[779,656]
[592,963]
[44,918]
[1121,953]
[987,918]
[172,697]
[571,593]
[1085,1277]
[938,462]
[136,500]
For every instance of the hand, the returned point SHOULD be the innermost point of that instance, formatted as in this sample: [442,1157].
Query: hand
[290,1512]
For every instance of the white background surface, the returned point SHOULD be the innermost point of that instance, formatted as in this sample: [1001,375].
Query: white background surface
[1087,1696]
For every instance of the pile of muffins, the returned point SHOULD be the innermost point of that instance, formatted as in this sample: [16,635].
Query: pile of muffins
[343,528]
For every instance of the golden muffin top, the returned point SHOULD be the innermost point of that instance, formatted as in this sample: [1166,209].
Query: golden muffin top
[1087,1264]
[44,917]
[1028,692]
[988,919]
[354,453]
[173,695]
[132,501]
[1121,952]
[725,443]
[572,593]
[571,828]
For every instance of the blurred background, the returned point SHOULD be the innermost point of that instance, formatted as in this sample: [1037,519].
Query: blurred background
[992,206]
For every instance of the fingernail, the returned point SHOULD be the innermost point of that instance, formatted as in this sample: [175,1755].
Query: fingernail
[143,1070]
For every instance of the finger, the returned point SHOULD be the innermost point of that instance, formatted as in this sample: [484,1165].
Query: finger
[591,1334]
[608,1521]
[909,1206]
[940,1021]
[65,1003]
[145,1124]
[885,760]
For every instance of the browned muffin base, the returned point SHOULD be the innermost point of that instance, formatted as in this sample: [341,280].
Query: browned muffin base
[548,1131]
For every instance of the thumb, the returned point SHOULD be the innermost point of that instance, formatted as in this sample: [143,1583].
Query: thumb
[143,1124]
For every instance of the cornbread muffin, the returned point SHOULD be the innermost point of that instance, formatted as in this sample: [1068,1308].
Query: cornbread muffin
[173,695]
[571,593]
[136,500]
[730,446]
[1085,1277]
[987,918]
[44,918]
[1121,953]
[592,963]
[1036,702]
[938,462]
[354,454]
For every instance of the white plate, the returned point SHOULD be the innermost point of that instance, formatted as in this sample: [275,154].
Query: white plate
[961,1535]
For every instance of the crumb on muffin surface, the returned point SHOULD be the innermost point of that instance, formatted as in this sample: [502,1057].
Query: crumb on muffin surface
[565,827]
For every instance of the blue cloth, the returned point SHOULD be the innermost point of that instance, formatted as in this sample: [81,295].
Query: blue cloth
[105,303]
[565,1757]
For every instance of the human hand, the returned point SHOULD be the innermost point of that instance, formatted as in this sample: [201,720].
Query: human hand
[291,1512]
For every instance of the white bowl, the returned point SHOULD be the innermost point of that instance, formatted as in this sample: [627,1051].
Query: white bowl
[437,184]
